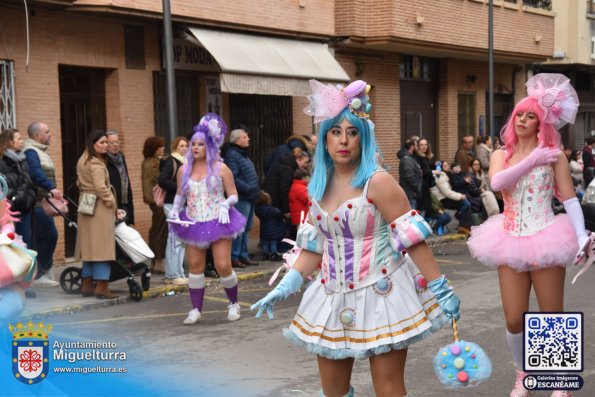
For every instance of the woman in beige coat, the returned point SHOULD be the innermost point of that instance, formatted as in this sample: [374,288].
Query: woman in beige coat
[95,243]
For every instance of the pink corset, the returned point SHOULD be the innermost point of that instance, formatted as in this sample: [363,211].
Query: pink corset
[528,204]
[203,202]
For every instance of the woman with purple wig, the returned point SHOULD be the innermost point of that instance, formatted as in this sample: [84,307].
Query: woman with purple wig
[209,220]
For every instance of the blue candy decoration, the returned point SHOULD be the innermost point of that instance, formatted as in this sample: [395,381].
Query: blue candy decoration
[462,364]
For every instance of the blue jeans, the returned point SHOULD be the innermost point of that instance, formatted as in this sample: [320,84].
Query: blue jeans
[23,228]
[45,238]
[413,203]
[269,246]
[174,252]
[98,270]
[239,246]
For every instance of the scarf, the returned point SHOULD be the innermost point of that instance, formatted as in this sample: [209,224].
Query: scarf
[14,156]
[179,157]
[117,159]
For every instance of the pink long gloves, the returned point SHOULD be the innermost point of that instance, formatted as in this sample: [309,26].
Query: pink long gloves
[539,156]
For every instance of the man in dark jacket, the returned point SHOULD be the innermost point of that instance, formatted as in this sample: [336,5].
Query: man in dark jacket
[246,180]
[410,174]
[118,176]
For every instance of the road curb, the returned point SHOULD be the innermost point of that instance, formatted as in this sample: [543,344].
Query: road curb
[152,293]
[169,289]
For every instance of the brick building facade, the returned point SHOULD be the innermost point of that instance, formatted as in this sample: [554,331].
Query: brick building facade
[98,64]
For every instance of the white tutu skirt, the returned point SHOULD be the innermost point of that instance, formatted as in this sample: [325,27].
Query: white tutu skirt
[555,245]
[368,321]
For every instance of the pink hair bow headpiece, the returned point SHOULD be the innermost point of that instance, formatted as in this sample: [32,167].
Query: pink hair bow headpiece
[555,96]
[327,101]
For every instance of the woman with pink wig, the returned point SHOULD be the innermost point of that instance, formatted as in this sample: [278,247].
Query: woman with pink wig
[209,219]
[529,245]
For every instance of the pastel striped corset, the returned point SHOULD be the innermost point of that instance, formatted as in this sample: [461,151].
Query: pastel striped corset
[528,204]
[356,245]
[203,201]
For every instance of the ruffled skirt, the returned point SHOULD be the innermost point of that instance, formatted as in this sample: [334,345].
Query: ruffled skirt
[367,321]
[202,234]
[555,245]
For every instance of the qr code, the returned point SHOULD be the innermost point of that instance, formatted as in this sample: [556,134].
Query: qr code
[553,342]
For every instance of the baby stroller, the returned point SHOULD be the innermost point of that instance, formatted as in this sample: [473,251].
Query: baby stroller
[133,257]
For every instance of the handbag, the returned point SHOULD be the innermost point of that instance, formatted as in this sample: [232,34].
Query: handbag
[17,263]
[87,203]
[159,195]
[54,207]
[158,192]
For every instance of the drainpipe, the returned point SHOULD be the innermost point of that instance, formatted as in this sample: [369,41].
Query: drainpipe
[172,114]
[491,68]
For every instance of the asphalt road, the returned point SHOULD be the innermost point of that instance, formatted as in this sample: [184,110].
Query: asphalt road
[218,358]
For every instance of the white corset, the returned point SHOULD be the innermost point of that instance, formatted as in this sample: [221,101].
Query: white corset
[203,201]
[528,204]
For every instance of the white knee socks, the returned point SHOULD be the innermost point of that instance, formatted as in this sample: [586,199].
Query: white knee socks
[196,280]
[229,281]
[515,343]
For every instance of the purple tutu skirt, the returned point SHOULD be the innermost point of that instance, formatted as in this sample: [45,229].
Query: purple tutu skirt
[555,245]
[202,234]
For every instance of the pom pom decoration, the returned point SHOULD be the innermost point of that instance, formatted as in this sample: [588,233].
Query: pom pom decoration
[462,364]
[213,126]
[555,96]
[327,101]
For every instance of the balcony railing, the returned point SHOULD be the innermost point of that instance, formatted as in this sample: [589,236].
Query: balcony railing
[543,4]
[591,6]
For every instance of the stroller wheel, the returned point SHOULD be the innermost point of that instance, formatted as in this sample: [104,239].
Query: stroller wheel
[71,281]
[136,292]
[145,281]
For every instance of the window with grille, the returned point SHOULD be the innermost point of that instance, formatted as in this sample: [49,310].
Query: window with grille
[466,114]
[8,114]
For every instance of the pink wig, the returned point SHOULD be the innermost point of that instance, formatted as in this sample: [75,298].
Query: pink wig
[548,135]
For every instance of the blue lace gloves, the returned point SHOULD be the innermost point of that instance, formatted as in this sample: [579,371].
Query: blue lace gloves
[288,285]
[449,302]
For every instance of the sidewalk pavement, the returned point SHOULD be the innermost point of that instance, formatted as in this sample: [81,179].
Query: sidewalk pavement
[54,301]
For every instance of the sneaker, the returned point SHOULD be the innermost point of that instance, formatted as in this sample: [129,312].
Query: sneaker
[234,312]
[44,281]
[561,393]
[193,317]
[179,281]
[519,388]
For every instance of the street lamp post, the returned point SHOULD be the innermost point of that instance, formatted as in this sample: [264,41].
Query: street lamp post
[170,73]
[491,68]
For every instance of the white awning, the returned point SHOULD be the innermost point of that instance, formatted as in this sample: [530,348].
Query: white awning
[265,65]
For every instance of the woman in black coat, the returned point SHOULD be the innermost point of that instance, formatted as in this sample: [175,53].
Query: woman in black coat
[21,191]
[424,158]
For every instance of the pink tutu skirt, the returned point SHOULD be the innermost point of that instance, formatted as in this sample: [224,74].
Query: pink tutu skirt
[555,245]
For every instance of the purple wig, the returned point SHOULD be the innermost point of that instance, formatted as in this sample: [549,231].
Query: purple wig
[211,129]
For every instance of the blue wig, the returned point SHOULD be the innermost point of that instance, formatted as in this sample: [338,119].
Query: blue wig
[323,164]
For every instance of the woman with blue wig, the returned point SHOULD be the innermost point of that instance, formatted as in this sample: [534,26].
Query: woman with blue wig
[209,220]
[369,299]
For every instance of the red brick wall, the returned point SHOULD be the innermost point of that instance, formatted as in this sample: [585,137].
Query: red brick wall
[316,17]
[456,23]
[86,41]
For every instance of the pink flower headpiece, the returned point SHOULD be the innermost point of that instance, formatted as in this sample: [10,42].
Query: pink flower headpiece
[327,101]
[555,96]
